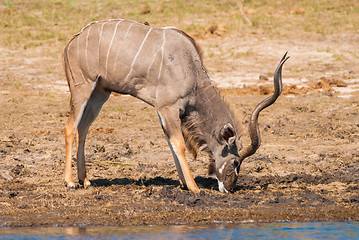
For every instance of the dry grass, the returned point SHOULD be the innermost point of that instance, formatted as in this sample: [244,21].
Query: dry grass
[32,23]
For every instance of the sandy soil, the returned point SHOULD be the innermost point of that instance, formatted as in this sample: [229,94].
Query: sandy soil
[307,168]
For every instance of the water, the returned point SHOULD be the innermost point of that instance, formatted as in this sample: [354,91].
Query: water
[336,230]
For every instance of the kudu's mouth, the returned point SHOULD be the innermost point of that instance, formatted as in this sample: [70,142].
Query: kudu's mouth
[228,185]
[227,182]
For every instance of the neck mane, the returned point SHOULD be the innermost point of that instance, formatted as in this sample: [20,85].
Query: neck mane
[202,122]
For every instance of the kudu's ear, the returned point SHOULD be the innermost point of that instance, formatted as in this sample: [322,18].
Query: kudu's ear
[228,134]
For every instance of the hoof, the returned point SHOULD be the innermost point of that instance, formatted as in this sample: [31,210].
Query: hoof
[195,190]
[71,185]
[85,183]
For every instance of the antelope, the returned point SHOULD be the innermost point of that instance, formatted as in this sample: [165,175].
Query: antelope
[162,67]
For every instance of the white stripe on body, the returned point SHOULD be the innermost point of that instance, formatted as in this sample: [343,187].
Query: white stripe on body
[162,51]
[168,27]
[153,60]
[138,52]
[78,46]
[83,29]
[99,42]
[162,57]
[68,59]
[119,47]
[86,50]
[109,20]
[78,58]
[109,48]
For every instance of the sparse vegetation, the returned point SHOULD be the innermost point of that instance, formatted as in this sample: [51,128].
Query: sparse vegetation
[305,170]
[33,23]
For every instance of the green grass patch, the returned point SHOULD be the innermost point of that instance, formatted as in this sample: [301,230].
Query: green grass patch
[38,22]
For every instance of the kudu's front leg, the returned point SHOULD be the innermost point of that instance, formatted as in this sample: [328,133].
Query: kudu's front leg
[171,125]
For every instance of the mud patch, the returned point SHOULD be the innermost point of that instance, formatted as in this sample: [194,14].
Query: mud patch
[307,168]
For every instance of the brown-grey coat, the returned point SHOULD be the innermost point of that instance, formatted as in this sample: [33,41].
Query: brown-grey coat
[162,67]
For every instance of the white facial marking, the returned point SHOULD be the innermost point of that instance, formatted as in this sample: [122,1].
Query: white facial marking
[221,187]
[222,168]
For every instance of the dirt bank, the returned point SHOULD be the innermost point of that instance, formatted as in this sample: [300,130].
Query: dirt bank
[307,168]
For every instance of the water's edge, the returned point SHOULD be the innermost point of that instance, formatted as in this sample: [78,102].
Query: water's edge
[334,230]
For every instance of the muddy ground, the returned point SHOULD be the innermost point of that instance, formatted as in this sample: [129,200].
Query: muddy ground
[307,168]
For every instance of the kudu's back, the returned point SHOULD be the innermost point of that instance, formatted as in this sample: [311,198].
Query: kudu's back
[158,66]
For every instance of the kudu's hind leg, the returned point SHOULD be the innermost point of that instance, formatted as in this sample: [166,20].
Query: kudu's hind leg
[98,97]
[70,130]
[172,128]
[69,139]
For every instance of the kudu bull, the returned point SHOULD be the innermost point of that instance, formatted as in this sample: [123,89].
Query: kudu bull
[162,67]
